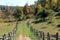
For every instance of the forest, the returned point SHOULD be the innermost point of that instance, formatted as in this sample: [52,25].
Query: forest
[49,7]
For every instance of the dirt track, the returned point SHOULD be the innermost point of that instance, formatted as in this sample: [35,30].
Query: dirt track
[23,37]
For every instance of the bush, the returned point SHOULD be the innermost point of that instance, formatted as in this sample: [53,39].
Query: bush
[58,14]
[49,22]
[58,25]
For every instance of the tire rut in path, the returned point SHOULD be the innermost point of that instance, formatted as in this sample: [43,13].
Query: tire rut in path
[23,37]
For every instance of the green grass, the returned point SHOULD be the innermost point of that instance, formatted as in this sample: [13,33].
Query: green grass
[6,27]
[45,27]
[23,29]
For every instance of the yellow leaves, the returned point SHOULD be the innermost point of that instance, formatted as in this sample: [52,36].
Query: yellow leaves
[47,6]
[54,1]
[26,8]
[47,0]
[39,6]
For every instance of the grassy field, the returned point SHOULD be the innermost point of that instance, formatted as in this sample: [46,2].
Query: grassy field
[45,27]
[6,27]
[23,29]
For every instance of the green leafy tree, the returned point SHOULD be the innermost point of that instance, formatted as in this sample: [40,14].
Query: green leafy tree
[38,9]
[43,14]
[19,13]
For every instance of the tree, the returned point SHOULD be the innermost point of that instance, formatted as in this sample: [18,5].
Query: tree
[9,13]
[19,13]
[1,14]
[54,5]
[38,9]
[27,11]
[43,14]
[58,4]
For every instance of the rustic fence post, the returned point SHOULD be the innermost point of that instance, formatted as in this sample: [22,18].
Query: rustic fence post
[31,28]
[56,36]
[16,25]
[43,36]
[36,32]
[39,35]
[28,24]
[40,32]
[48,36]
[4,37]
[14,31]
[9,36]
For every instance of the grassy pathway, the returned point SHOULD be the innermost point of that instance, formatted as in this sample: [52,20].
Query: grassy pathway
[23,29]
[23,37]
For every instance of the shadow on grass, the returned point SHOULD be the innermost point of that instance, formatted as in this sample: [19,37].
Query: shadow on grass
[38,21]
[43,28]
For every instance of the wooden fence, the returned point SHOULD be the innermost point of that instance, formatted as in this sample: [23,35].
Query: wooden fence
[10,34]
[41,35]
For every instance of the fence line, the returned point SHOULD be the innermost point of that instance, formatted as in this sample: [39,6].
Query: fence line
[10,34]
[37,33]
[41,34]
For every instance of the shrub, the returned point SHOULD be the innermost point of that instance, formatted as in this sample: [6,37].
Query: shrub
[58,14]
[58,25]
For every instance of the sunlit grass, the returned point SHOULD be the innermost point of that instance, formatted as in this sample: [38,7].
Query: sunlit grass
[45,27]
[6,27]
[24,30]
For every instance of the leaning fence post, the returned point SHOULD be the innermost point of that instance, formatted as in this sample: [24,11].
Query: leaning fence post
[4,37]
[43,36]
[56,36]
[48,36]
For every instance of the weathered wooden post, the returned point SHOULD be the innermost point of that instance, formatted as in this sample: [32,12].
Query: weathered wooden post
[40,32]
[31,28]
[13,33]
[43,36]
[36,32]
[48,36]
[28,23]
[9,36]
[56,36]
[39,35]
[15,30]
[16,25]
[4,37]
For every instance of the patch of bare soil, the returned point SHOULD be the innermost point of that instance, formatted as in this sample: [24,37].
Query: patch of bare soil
[23,37]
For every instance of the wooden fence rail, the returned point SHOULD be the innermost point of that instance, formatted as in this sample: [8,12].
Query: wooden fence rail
[10,34]
[41,34]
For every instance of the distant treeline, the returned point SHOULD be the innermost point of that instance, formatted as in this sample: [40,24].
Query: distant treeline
[41,9]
